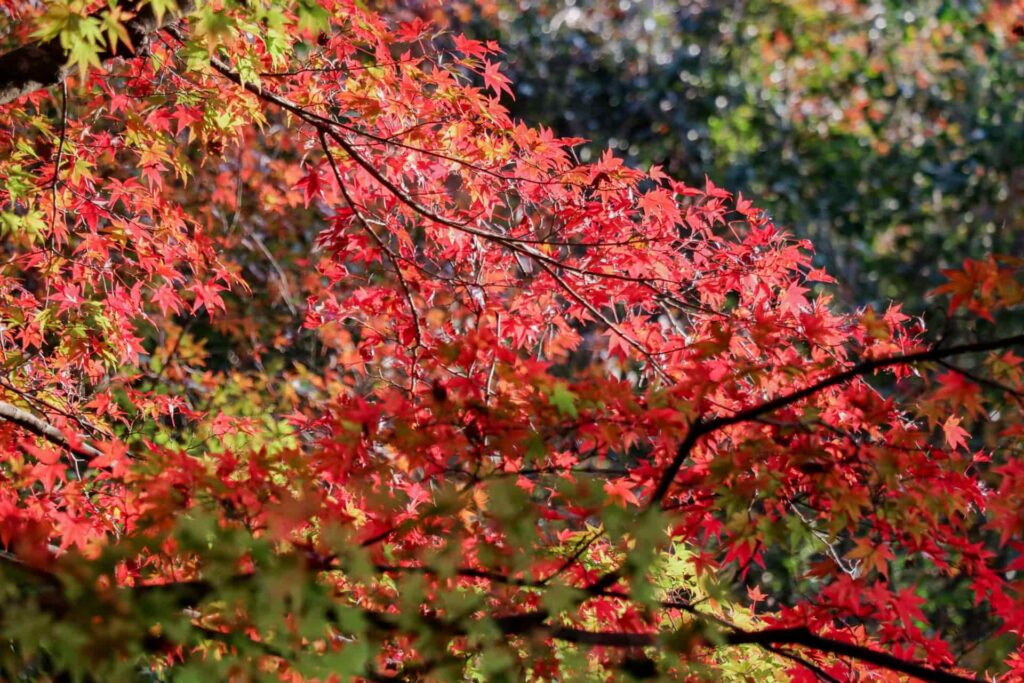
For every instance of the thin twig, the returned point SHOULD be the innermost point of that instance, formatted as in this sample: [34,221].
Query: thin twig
[60,154]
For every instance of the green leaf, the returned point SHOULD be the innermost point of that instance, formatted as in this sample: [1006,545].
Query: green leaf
[313,17]
[563,399]
[162,7]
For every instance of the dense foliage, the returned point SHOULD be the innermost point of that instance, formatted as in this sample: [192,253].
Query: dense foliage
[317,365]
[888,133]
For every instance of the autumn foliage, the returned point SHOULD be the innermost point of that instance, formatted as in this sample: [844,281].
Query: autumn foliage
[318,366]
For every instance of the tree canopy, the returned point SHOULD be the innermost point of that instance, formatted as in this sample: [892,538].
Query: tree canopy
[317,364]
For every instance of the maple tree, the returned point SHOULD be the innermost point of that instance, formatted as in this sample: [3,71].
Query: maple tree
[317,365]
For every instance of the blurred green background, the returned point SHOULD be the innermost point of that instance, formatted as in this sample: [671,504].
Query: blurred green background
[890,134]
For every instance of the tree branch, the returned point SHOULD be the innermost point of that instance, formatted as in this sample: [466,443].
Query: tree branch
[703,427]
[864,368]
[803,637]
[40,427]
